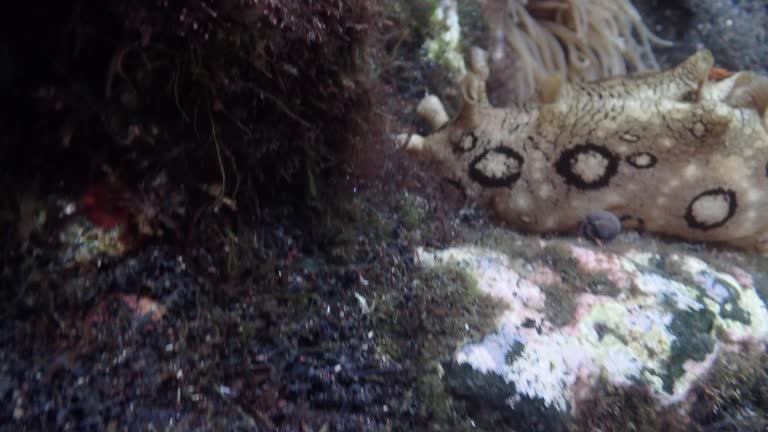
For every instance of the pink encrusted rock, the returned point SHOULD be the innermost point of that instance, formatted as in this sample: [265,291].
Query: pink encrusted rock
[592,261]
[661,328]
[542,275]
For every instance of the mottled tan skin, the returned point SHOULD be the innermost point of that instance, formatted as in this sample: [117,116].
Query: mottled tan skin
[669,152]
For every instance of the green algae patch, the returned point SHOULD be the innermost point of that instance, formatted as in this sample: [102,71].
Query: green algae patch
[339,226]
[625,409]
[560,305]
[441,309]
[731,308]
[693,341]
[514,353]
[424,324]
[412,210]
[510,243]
[734,396]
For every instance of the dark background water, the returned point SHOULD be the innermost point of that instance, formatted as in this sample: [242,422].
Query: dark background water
[733,30]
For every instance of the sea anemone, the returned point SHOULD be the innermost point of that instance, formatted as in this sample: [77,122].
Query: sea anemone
[582,40]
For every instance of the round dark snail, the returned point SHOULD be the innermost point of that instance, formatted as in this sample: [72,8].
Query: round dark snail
[600,226]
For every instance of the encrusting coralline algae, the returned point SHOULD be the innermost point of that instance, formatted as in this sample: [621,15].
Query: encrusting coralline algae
[656,330]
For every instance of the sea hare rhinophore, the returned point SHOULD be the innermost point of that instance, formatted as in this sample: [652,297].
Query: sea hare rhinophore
[672,152]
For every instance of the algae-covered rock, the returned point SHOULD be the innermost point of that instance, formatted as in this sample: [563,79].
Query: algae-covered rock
[444,45]
[666,321]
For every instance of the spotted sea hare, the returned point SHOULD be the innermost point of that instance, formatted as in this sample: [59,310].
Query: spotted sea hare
[682,152]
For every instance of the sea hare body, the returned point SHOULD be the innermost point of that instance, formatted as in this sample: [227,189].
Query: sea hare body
[671,152]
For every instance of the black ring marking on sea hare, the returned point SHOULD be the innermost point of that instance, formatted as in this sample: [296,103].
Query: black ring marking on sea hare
[727,194]
[565,166]
[491,182]
[766,169]
[635,159]
[634,222]
[459,146]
